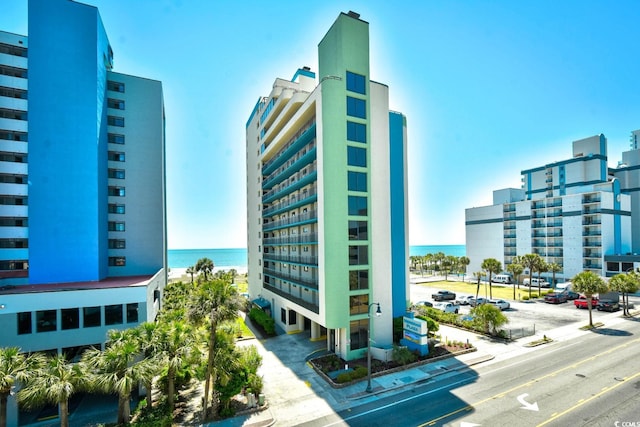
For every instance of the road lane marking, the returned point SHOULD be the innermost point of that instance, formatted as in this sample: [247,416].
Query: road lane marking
[528,383]
[583,401]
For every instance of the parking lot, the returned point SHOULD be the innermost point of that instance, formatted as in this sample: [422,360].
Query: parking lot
[525,314]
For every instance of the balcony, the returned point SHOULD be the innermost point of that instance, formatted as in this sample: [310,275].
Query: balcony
[554,203]
[510,235]
[275,193]
[591,198]
[304,218]
[509,226]
[306,134]
[309,260]
[293,166]
[509,207]
[305,199]
[295,239]
[299,301]
[591,243]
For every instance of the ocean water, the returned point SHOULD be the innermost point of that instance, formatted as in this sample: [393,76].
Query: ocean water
[237,257]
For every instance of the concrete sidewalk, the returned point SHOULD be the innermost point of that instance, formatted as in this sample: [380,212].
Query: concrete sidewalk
[296,394]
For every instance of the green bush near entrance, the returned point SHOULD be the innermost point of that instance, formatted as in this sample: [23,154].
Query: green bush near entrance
[264,320]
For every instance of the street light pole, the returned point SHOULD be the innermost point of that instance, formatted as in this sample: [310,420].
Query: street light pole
[378,314]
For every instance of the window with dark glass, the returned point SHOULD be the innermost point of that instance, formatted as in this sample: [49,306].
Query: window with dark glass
[358,255]
[627,266]
[117,244]
[46,320]
[115,121]
[355,107]
[356,132]
[116,226]
[357,205]
[116,173]
[283,316]
[115,86]
[117,104]
[115,208]
[70,318]
[132,312]
[116,191]
[115,138]
[115,156]
[117,261]
[357,181]
[113,314]
[358,279]
[356,83]
[91,316]
[358,230]
[356,156]
[358,333]
[613,266]
[358,304]
[24,323]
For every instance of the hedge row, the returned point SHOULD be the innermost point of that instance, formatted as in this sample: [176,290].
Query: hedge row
[264,320]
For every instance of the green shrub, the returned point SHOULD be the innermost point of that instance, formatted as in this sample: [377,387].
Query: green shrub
[525,298]
[264,320]
[344,377]
[359,372]
[403,356]
[534,296]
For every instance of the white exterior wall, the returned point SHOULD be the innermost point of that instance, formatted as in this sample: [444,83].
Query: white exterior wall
[380,234]
[523,228]
[484,240]
[572,236]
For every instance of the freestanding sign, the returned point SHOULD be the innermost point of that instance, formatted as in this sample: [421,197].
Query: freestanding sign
[415,336]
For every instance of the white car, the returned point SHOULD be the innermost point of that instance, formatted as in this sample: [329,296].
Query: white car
[466,300]
[447,307]
[500,303]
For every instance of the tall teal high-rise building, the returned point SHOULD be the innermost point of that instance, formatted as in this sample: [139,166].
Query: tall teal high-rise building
[82,185]
[326,199]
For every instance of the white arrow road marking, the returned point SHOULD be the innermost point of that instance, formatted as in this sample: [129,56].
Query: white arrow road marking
[466,424]
[526,405]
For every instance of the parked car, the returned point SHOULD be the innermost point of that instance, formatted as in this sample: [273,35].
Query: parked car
[571,295]
[443,296]
[465,300]
[500,303]
[582,302]
[475,302]
[535,281]
[424,303]
[555,298]
[608,305]
[447,307]
[502,278]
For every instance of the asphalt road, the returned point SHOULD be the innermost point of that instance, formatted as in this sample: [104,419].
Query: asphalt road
[590,381]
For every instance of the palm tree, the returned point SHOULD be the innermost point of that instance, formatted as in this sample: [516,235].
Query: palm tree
[54,382]
[438,259]
[14,367]
[554,268]
[625,283]
[427,260]
[464,262]
[204,266]
[191,270]
[118,369]
[589,284]
[146,335]
[491,265]
[218,302]
[516,270]
[175,345]
[541,267]
[478,276]
[530,262]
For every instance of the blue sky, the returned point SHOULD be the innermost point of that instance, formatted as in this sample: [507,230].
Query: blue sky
[489,88]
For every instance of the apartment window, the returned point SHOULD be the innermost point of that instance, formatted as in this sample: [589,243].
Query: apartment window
[357,205]
[13,200]
[6,113]
[13,50]
[357,181]
[356,107]
[7,70]
[356,132]
[358,279]
[46,320]
[356,83]
[12,135]
[283,316]
[116,173]
[358,304]
[356,156]
[14,243]
[117,104]
[13,157]
[116,156]
[115,208]
[117,261]
[358,255]
[115,121]
[115,138]
[115,86]
[91,316]
[117,244]
[24,323]
[13,222]
[113,314]
[358,230]
[11,92]
[116,226]
[358,333]
[70,318]
[132,312]
[116,191]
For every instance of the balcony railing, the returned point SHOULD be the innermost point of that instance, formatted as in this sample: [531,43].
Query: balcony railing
[311,260]
[297,279]
[275,193]
[302,303]
[292,239]
[305,198]
[294,165]
[290,221]
[303,136]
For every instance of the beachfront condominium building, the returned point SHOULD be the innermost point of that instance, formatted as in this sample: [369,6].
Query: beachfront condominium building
[326,199]
[576,213]
[82,185]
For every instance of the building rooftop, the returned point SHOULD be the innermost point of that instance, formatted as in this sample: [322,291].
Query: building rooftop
[111,282]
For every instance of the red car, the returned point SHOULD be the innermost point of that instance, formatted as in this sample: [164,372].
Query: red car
[582,302]
[555,298]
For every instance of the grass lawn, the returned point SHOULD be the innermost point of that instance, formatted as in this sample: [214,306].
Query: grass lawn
[246,332]
[498,291]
